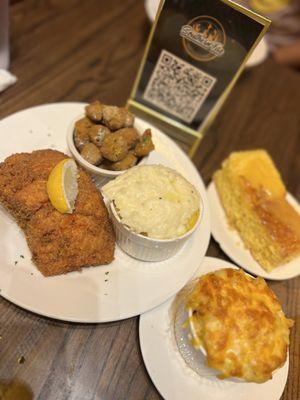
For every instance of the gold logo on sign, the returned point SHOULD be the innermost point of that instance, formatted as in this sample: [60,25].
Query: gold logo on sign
[204,38]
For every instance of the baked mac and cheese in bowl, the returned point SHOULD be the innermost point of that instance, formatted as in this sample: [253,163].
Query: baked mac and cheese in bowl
[237,322]
[154,211]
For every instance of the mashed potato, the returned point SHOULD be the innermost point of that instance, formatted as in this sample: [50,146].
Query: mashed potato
[155,201]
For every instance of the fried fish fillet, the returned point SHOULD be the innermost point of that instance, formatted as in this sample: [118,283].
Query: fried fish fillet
[59,243]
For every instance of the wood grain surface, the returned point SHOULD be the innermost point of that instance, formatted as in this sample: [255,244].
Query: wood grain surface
[75,50]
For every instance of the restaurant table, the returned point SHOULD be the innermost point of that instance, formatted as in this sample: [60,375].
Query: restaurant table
[76,50]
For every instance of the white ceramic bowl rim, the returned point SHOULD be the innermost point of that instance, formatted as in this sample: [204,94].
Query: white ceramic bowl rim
[83,162]
[178,238]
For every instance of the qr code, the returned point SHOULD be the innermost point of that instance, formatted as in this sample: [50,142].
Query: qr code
[178,87]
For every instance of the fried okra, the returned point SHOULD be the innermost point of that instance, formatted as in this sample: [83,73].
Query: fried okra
[129,161]
[91,154]
[114,147]
[81,133]
[94,111]
[106,137]
[145,146]
[130,135]
[97,134]
[117,118]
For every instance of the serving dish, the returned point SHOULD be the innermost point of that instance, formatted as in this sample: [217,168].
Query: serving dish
[100,175]
[122,289]
[171,374]
[146,248]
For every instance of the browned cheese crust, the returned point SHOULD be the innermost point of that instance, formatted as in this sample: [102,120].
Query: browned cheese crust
[240,323]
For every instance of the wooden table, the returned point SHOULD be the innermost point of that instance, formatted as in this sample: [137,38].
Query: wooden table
[81,50]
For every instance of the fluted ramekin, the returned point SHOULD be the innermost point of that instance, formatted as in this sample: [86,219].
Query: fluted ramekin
[146,248]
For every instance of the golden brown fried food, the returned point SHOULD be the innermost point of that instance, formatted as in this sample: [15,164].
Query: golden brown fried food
[59,242]
[91,154]
[129,161]
[94,111]
[97,134]
[83,125]
[81,132]
[114,147]
[116,117]
[23,182]
[145,146]
[130,135]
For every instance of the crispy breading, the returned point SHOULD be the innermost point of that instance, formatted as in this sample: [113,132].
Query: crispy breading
[59,242]
[23,179]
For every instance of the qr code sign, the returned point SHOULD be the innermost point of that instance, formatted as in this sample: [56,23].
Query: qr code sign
[178,87]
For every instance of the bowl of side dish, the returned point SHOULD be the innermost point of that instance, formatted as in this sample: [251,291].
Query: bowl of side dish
[154,211]
[232,326]
[107,141]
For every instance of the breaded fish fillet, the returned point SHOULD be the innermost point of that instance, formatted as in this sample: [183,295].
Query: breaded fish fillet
[59,242]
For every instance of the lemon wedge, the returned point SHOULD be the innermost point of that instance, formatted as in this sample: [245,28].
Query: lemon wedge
[62,186]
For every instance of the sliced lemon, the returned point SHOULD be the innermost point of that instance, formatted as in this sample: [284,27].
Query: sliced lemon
[62,186]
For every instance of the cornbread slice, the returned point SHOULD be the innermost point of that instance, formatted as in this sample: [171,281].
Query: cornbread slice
[254,199]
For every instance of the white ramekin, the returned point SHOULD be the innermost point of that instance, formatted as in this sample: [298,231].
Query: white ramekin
[145,248]
[100,175]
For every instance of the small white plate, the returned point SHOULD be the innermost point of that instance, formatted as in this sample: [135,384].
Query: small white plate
[172,376]
[122,289]
[231,243]
[258,56]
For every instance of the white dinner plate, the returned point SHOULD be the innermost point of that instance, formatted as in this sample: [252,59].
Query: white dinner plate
[231,243]
[122,289]
[259,54]
[174,379]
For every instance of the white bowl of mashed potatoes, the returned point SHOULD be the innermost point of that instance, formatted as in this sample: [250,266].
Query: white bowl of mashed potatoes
[154,210]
